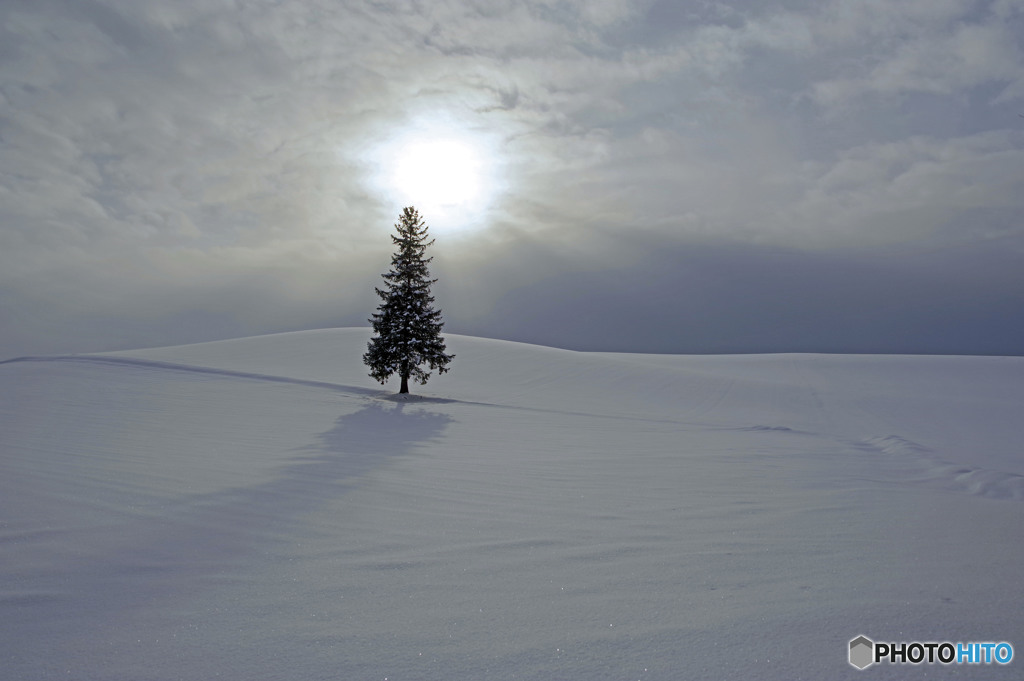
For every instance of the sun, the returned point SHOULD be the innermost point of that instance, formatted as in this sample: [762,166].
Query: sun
[444,172]
[447,173]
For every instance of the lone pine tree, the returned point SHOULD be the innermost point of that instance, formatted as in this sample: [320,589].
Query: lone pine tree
[407,328]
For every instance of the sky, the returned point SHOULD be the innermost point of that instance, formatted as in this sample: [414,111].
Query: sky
[635,175]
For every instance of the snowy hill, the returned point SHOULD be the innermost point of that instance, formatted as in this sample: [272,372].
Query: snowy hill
[261,509]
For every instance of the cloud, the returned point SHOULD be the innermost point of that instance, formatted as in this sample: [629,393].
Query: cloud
[220,162]
[967,56]
[917,188]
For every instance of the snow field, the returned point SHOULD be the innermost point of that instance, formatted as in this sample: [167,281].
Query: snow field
[260,509]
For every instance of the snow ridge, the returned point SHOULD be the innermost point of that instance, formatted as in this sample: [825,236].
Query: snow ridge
[173,366]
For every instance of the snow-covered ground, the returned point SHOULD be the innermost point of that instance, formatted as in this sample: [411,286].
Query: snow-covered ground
[261,509]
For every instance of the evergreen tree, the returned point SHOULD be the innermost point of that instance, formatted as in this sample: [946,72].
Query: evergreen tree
[407,329]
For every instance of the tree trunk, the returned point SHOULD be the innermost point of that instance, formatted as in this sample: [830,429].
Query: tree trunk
[404,371]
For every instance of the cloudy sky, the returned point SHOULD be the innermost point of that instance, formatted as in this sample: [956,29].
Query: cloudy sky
[656,176]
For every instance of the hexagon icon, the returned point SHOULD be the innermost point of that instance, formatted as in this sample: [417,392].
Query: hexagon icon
[862,651]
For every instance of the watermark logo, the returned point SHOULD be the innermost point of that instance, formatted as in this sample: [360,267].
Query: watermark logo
[864,652]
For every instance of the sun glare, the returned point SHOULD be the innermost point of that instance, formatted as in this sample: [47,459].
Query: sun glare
[447,174]
[444,172]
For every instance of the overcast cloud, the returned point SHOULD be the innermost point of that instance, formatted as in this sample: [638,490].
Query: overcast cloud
[669,176]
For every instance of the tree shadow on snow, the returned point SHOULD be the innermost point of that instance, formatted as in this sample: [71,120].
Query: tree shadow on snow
[366,440]
[154,557]
[359,443]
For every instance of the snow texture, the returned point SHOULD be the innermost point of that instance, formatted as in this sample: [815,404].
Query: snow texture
[260,509]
